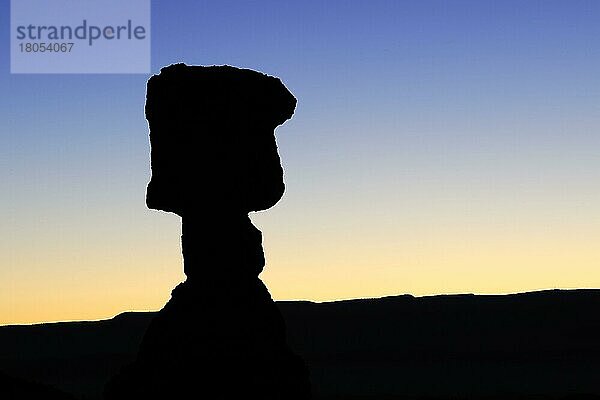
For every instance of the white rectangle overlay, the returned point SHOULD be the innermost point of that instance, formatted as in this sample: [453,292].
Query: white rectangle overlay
[80,36]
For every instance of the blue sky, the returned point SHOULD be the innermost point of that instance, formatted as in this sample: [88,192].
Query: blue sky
[437,147]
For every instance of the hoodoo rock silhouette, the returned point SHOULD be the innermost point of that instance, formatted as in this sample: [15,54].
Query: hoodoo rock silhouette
[214,159]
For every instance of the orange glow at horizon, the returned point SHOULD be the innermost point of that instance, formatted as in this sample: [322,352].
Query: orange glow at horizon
[321,266]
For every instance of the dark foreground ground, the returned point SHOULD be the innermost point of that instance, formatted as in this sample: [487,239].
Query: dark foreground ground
[541,345]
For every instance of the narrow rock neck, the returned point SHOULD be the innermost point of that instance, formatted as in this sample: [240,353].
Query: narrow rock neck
[217,248]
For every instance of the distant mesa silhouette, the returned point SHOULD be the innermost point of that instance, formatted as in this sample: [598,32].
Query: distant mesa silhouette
[214,159]
[526,346]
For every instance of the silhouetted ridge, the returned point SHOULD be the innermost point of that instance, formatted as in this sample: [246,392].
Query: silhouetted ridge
[541,345]
[214,159]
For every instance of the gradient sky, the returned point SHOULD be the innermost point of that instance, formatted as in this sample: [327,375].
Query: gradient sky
[437,147]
